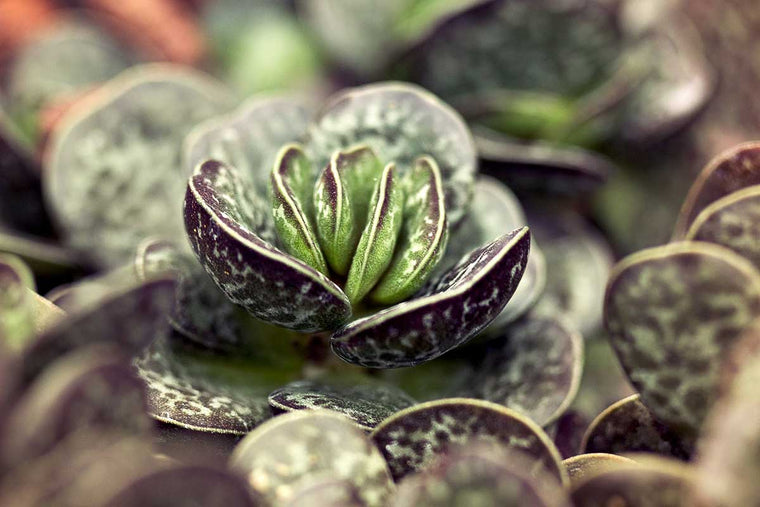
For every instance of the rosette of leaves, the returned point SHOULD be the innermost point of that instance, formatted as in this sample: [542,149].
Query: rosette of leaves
[291,260]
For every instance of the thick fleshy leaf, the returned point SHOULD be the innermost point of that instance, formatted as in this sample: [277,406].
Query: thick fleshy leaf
[301,446]
[583,466]
[184,485]
[672,313]
[541,166]
[580,260]
[43,256]
[292,202]
[234,247]
[424,236]
[16,305]
[184,391]
[496,212]
[201,312]
[733,222]
[454,308]
[249,138]
[326,491]
[481,475]
[112,177]
[87,390]
[629,427]
[732,170]
[341,203]
[365,404]
[129,315]
[400,122]
[378,239]
[534,368]
[412,439]
[655,482]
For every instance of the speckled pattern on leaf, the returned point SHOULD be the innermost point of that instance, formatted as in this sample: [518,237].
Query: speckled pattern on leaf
[450,311]
[411,439]
[672,313]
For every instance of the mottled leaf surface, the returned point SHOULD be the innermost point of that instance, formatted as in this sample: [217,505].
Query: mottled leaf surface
[130,316]
[481,475]
[292,203]
[412,439]
[732,170]
[672,313]
[629,427]
[378,240]
[365,404]
[450,311]
[400,122]
[327,491]
[583,466]
[657,483]
[188,396]
[534,368]
[304,445]
[342,196]
[223,218]
[424,236]
[112,176]
[733,222]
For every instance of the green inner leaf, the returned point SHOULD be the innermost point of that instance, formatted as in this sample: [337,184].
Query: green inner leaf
[424,236]
[341,203]
[291,192]
[378,240]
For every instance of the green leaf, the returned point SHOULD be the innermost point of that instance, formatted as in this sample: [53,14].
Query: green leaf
[341,203]
[378,241]
[424,237]
[291,192]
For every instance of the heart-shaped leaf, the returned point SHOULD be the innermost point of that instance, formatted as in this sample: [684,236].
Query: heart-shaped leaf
[226,227]
[292,202]
[424,236]
[672,313]
[365,404]
[112,177]
[400,122]
[341,203]
[732,222]
[454,308]
[629,427]
[306,445]
[732,170]
[413,438]
[378,240]
[534,368]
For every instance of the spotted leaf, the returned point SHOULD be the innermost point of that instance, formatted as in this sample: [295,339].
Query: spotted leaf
[292,202]
[453,309]
[424,236]
[222,218]
[341,203]
[378,239]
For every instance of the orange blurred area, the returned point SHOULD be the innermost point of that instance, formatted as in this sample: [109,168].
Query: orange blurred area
[21,20]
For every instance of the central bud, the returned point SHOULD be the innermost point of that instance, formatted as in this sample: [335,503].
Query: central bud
[380,230]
